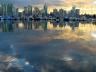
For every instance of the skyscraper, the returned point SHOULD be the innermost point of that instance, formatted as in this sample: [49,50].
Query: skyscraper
[74,13]
[10,9]
[55,13]
[6,9]
[25,11]
[29,10]
[45,9]
[77,12]
[36,13]
[1,10]
[62,13]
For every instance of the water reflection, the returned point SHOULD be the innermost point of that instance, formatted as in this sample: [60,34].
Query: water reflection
[41,46]
[12,26]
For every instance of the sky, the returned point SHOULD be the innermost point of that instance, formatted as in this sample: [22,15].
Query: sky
[86,6]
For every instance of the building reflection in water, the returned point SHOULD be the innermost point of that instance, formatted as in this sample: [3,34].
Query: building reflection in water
[13,26]
[10,26]
[6,26]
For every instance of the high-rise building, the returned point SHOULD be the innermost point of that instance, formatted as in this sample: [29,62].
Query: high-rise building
[15,12]
[55,13]
[62,13]
[45,9]
[44,12]
[77,12]
[74,13]
[4,9]
[36,13]
[29,10]
[25,12]
[10,9]
[1,10]
[7,9]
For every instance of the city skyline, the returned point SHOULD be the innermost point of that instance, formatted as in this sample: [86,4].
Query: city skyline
[88,7]
[10,12]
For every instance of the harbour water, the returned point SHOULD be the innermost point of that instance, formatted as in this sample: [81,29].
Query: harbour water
[43,46]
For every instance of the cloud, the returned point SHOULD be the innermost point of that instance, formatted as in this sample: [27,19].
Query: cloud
[49,2]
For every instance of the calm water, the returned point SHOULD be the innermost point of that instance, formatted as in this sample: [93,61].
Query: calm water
[41,46]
